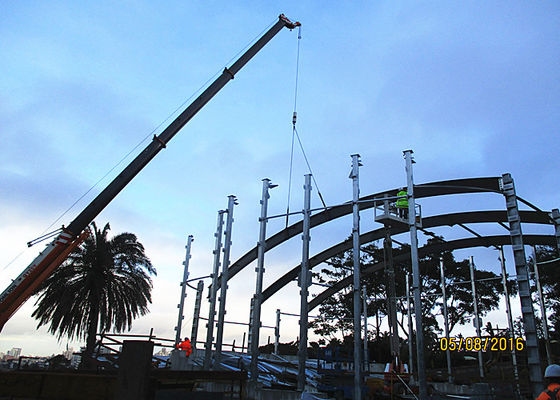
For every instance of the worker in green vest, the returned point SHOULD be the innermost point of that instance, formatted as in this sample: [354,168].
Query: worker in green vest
[402,203]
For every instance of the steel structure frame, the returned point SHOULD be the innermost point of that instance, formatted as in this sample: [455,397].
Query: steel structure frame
[440,188]
[428,222]
[459,186]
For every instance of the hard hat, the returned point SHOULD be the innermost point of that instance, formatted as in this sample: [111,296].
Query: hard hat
[552,371]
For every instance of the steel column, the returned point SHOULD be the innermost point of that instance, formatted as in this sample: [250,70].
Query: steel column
[544,320]
[527,311]
[261,249]
[445,321]
[304,282]
[510,321]
[410,328]
[376,316]
[555,215]
[364,309]
[196,313]
[416,278]
[183,285]
[251,308]
[391,293]
[477,319]
[355,176]
[213,292]
[223,281]
[277,332]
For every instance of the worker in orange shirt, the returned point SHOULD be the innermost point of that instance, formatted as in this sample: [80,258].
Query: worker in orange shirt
[185,346]
[552,377]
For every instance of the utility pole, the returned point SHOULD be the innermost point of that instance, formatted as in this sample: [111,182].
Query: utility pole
[224,281]
[543,308]
[304,283]
[416,278]
[183,285]
[213,293]
[510,321]
[477,319]
[445,321]
[355,176]
[261,249]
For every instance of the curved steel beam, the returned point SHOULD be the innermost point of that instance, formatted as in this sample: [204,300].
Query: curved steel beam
[428,222]
[435,248]
[440,188]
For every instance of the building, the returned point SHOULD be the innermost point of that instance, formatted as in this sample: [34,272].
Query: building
[162,352]
[14,352]
[68,353]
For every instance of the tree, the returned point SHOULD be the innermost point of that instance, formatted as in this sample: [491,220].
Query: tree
[335,314]
[104,284]
[549,272]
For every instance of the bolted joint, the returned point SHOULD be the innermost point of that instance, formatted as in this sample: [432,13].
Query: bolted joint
[228,73]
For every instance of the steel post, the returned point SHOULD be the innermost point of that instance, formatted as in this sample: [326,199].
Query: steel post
[251,308]
[445,321]
[304,282]
[416,278]
[355,176]
[555,216]
[522,273]
[364,309]
[510,321]
[391,293]
[377,324]
[223,281]
[410,327]
[213,292]
[277,332]
[477,319]
[183,285]
[196,313]
[261,249]
[544,320]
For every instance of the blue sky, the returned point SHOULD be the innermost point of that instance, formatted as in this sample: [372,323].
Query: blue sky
[472,88]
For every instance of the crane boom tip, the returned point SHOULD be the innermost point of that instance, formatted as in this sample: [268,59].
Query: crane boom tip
[289,24]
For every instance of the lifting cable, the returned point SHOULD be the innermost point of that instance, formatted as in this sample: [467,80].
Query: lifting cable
[295,135]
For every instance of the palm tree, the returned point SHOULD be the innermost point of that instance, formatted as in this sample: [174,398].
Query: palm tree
[104,284]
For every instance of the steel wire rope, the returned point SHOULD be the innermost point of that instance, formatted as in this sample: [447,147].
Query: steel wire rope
[204,85]
[293,127]
[310,171]
[295,134]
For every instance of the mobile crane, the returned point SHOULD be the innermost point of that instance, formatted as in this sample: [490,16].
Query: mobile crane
[70,237]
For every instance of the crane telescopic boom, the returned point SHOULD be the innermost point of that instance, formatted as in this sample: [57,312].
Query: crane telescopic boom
[56,252]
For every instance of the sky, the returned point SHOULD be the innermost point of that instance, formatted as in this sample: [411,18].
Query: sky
[472,88]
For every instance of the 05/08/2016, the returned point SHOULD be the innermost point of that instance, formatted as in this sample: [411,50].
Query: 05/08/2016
[481,343]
